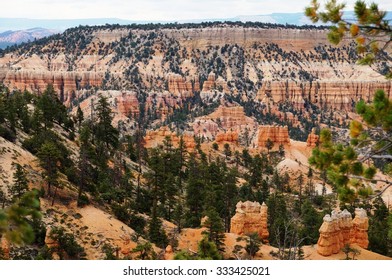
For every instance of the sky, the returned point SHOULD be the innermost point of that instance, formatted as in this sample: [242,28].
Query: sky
[154,10]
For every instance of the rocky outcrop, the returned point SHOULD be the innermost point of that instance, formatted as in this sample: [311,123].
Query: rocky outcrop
[339,229]
[230,117]
[65,84]
[250,217]
[224,124]
[313,139]
[337,94]
[179,86]
[169,254]
[5,249]
[279,135]
[127,104]
[229,136]
[154,138]
[214,83]
[360,228]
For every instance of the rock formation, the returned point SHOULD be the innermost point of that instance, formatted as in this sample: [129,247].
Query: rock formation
[127,104]
[154,138]
[313,139]
[279,135]
[250,217]
[65,83]
[360,227]
[179,86]
[339,229]
[169,254]
[229,136]
[5,248]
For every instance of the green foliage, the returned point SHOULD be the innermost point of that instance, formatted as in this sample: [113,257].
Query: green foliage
[110,252]
[184,255]
[311,222]
[51,110]
[379,240]
[104,132]
[49,156]
[368,26]
[253,243]
[347,250]
[67,247]
[207,250]
[215,229]
[277,218]
[20,185]
[15,220]
[145,251]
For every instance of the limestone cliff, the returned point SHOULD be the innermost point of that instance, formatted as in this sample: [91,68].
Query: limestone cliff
[250,217]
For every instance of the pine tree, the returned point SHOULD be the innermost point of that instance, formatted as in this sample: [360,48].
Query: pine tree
[49,157]
[104,131]
[207,250]
[367,27]
[20,185]
[215,229]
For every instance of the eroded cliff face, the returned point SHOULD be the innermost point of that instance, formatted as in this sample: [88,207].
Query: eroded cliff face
[279,135]
[279,64]
[154,138]
[335,94]
[250,217]
[179,86]
[66,84]
[339,229]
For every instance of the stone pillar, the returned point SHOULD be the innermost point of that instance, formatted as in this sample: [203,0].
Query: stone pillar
[326,242]
[360,227]
[250,217]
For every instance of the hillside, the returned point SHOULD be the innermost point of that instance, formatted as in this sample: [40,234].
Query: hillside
[134,134]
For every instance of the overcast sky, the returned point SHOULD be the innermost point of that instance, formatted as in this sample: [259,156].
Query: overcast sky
[167,10]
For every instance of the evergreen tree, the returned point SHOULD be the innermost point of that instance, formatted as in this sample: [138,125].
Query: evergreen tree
[215,229]
[104,131]
[207,250]
[311,222]
[227,150]
[194,197]
[253,244]
[20,185]
[379,241]
[79,117]
[49,157]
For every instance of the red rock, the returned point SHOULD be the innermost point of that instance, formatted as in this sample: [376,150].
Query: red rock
[360,228]
[279,135]
[339,229]
[313,139]
[5,247]
[250,217]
